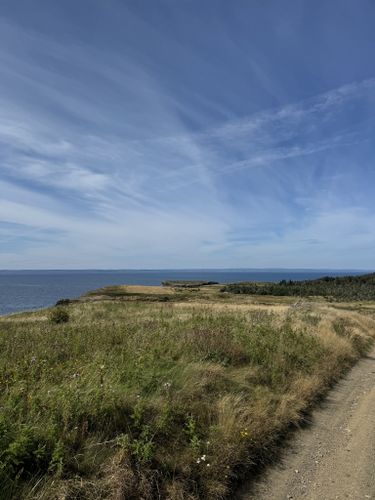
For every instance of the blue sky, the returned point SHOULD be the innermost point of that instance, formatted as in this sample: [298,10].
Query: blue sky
[177,134]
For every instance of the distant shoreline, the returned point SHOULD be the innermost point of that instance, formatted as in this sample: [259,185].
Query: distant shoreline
[196,269]
[28,290]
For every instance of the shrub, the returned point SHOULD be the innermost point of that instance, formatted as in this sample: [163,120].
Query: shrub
[63,302]
[59,315]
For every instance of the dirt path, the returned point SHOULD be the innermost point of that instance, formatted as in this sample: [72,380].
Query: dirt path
[334,458]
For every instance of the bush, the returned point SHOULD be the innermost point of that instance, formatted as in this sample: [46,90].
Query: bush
[63,302]
[59,315]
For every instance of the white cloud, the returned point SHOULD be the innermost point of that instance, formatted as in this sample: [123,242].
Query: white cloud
[108,163]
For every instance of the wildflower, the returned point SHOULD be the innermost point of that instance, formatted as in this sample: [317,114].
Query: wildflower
[203,457]
[244,433]
[33,359]
[207,465]
[102,367]
[167,385]
[198,460]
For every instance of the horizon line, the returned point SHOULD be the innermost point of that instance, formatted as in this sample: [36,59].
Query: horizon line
[253,269]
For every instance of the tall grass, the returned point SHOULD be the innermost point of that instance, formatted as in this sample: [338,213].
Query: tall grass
[146,400]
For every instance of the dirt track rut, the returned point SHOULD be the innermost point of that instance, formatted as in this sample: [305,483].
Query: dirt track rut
[333,458]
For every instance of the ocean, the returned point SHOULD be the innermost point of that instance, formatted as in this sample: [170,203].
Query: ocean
[27,290]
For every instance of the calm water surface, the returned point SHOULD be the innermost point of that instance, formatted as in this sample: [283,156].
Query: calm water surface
[25,290]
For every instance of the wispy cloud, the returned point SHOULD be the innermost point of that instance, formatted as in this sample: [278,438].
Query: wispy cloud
[108,168]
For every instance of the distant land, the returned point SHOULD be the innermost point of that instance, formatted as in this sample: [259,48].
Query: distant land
[22,290]
[195,269]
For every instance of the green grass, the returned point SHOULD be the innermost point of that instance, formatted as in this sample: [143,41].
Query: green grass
[148,400]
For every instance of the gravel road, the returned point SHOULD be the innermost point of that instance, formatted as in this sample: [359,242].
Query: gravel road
[334,458]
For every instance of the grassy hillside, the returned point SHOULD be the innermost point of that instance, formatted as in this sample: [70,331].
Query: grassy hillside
[342,288]
[124,396]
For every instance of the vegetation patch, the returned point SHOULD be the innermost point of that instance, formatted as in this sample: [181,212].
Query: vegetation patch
[188,283]
[347,288]
[159,400]
[59,314]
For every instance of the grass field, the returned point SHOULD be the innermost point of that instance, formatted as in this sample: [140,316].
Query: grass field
[162,393]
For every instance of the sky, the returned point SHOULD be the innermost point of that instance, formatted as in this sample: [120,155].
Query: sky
[140,134]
